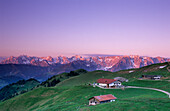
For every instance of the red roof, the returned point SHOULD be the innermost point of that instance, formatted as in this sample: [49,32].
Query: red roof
[105,97]
[105,81]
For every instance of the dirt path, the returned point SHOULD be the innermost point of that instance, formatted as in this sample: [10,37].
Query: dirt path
[150,89]
[140,88]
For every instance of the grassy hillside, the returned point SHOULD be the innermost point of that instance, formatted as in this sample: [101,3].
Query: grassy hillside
[83,79]
[91,77]
[61,77]
[72,93]
[17,88]
[58,98]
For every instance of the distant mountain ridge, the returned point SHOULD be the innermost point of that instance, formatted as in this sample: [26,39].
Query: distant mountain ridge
[13,68]
[2,58]
[107,63]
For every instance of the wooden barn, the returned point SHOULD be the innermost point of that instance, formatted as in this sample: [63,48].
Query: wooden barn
[101,99]
[153,77]
[109,83]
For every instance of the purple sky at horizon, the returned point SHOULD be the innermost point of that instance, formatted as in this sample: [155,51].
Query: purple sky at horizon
[69,27]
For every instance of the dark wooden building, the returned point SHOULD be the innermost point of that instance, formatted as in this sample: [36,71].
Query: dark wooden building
[153,77]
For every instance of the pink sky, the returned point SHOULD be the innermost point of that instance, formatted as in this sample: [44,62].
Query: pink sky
[69,27]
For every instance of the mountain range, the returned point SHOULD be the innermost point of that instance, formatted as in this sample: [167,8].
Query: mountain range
[13,68]
[107,63]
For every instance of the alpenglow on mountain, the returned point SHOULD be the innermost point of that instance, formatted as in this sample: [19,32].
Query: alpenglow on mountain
[90,63]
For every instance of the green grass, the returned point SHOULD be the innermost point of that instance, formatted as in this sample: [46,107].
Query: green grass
[164,85]
[58,98]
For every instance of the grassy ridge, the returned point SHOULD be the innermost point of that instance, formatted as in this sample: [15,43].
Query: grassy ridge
[61,77]
[17,88]
[83,79]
